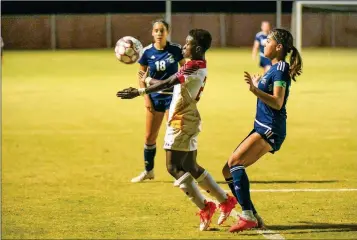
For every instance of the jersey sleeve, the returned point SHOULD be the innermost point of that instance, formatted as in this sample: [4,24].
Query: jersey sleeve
[186,70]
[143,60]
[281,75]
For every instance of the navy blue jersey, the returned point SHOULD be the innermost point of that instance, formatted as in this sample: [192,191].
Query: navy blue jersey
[261,38]
[162,63]
[267,117]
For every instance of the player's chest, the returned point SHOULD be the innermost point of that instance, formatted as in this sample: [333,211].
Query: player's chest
[266,83]
[161,62]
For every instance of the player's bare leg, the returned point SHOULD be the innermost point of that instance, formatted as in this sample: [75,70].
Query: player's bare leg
[229,180]
[251,149]
[190,164]
[204,179]
[174,160]
[153,124]
[185,181]
[207,183]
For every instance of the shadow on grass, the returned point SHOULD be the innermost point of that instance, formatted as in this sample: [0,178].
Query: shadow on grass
[305,228]
[335,227]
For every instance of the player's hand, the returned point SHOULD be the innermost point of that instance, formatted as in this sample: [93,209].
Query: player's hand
[256,78]
[128,93]
[143,74]
[248,79]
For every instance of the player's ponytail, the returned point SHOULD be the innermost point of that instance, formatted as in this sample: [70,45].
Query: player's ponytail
[295,63]
[285,38]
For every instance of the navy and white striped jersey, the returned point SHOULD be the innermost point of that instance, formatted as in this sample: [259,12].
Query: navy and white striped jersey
[162,63]
[278,75]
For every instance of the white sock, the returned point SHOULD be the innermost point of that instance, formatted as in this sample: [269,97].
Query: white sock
[248,214]
[206,182]
[189,187]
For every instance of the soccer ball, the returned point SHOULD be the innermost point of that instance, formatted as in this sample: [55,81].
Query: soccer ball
[128,50]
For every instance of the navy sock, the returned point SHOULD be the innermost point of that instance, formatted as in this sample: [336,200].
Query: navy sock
[231,186]
[253,208]
[149,156]
[229,181]
[241,186]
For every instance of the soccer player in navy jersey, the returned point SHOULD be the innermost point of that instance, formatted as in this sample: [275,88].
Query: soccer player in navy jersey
[269,132]
[259,42]
[162,57]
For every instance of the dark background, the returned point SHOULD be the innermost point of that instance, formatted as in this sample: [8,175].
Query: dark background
[48,7]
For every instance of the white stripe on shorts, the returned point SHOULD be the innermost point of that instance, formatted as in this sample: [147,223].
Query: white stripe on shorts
[263,125]
[269,134]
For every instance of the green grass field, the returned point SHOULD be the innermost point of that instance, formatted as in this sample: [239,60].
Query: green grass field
[70,148]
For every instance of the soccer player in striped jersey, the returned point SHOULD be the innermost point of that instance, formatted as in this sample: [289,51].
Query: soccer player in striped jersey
[162,58]
[269,132]
[259,42]
[184,125]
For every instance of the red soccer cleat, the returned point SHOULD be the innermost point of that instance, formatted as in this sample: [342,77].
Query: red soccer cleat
[206,215]
[226,209]
[243,224]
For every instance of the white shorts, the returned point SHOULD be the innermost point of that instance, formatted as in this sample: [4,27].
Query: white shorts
[180,140]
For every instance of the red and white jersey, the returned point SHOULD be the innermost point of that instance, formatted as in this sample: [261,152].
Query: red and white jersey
[183,113]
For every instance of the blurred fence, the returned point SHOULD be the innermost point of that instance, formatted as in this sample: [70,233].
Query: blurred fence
[100,31]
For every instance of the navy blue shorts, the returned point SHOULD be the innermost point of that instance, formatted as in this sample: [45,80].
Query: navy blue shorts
[264,62]
[275,140]
[161,105]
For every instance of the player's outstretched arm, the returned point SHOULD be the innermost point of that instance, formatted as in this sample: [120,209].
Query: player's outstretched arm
[154,85]
[168,83]
[158,85]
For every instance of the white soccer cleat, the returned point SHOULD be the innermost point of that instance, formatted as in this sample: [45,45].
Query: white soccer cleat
[143,176]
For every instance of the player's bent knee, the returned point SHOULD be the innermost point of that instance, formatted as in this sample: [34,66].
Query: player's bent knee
[151,138]
[234,160]
[195,171]
[225,170]
[172,169]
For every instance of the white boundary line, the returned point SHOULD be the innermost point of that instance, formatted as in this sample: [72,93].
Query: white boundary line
[304,190]
[270,234]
